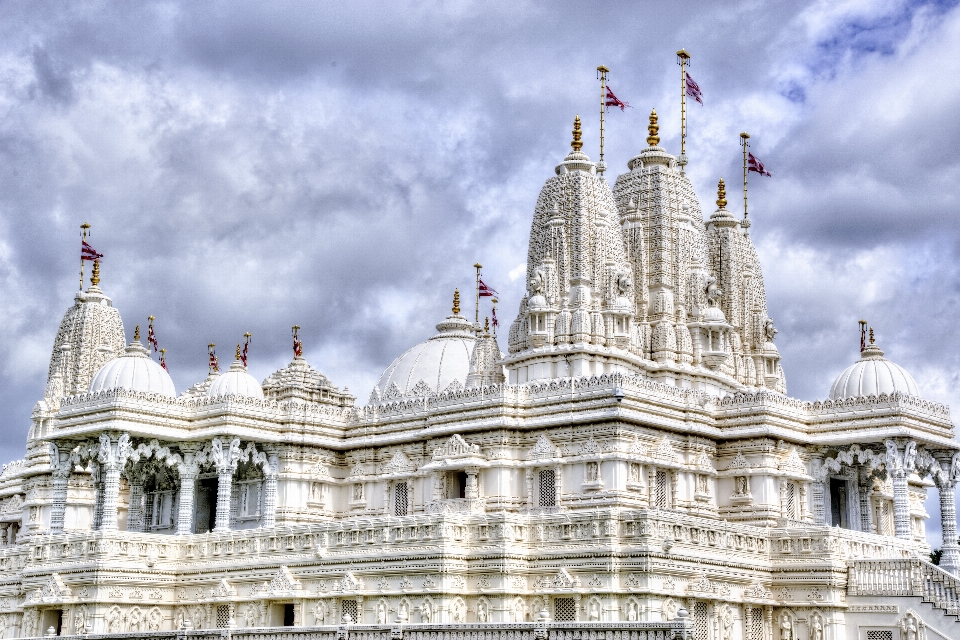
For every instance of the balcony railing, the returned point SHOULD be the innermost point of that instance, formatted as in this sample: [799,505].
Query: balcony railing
[909,577]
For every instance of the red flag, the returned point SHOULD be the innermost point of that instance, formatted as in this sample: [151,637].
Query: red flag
[496,323]
[214,364]
[693,90]
[754,164]
[89,253]
[487,292]
[163,360]
[614,101]
[246,349]
[152,339]
[297,345]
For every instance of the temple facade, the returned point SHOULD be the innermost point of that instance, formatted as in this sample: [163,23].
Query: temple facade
[632,463]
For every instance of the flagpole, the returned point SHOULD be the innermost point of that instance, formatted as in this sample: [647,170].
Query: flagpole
[602,72]
[494,301]
[683,59]
[476,308]
[744,138]
[83,238]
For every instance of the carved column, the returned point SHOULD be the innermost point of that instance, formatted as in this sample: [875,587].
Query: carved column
[112,457]
[189,469]
[899,464]
[946,486]
[472,491]
[865,487]
[270,472]
[226,462]
[62,468]
[97,477]
[528,477]
[438,486]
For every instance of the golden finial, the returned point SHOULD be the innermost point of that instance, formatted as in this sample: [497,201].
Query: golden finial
[576,144]
[653,139]
[95,278]
[151,318]
[486,324]
[238,352]
[721,195]
[456,302]
[136,334]
[162,352]
[871,335]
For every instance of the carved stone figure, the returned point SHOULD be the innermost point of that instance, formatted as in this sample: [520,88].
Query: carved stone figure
[594,612]
[381,613]
[816,628]
[786,627]
[358,491]
[426,613]
[632,612]
[319,612]
[592,471]
[481,612]
[769,330]
[403,613]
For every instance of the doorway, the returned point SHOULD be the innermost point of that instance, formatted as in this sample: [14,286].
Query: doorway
[205,511]
[51,618]
[838,503]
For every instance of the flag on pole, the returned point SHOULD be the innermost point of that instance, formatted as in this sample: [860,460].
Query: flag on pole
[89,253]
[614,101]
[496,323]
[693,89]
[297,345]
[152,338]
[214,364]
[485,291]
[246,349]
[754,164]
[163,360]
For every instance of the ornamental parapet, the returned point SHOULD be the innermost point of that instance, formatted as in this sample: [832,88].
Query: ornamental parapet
[805,542]
[679,629]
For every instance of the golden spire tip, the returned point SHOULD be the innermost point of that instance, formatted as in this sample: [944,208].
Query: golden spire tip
[721,195]
[871,335]
[95,278]
[576,144]
[136,334]
[456,302]
[654,129]
[238,352]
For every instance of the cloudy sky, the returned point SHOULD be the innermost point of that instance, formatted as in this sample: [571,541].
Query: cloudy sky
[250,166]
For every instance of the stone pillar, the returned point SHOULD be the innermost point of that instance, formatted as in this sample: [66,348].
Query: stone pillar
[224,491]
[97,477]
[226,461]
[865,487]
[946,486]
[438,486]
[189,469]
[270,472]
[112,458]
[472,491]
[62,470]
[900,463]
[135,512]
[528,478]
[950,560]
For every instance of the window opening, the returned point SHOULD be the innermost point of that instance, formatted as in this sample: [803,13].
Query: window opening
[564,609]
[348,607]
[289,617]
[700,628]
[223,616]
[400,492]
[548,490]
[660,490]
[838,503]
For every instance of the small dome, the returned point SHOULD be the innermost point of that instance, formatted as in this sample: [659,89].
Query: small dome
[714,314]
[537,302]
[235,382]
[437,362]
[872,375]
[135,371]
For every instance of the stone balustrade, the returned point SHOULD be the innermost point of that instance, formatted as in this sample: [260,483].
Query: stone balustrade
[908,577]
[679,629]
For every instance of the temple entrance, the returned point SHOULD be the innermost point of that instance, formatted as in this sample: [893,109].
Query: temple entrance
[282,615]
[205,511]
[838,503]
[51,619]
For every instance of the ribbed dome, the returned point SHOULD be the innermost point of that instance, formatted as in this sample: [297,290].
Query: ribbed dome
[236,382]
[438,361]
[872,375]
[135,371]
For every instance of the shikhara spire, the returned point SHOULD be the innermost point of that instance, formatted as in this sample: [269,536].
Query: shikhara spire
[634,280]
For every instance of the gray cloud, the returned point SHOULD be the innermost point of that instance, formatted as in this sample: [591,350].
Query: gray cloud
[249,166]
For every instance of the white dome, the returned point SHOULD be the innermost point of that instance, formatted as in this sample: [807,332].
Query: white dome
[135,371]
[438,361]
[872,375]
[236,382]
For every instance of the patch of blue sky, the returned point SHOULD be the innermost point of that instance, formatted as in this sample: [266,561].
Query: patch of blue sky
[862,35]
